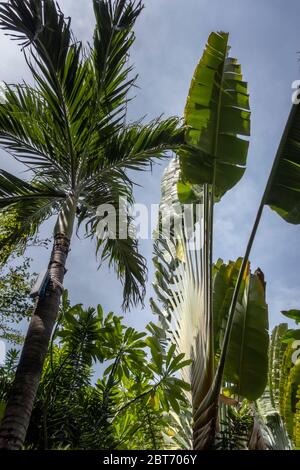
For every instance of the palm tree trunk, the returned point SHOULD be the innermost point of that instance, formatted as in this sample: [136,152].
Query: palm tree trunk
[20,403]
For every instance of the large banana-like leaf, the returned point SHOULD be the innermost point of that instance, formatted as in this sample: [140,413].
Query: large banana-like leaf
[283,194]
[282,191]
[224,279]
[247,356]
[246,367]
[216,114]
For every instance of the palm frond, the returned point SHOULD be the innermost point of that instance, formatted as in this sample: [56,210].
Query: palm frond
[129,264]
[136,147]
[64,79]
[113,39]
[25,21]
[13,190]
[23,207]
[27,132]
[117,243]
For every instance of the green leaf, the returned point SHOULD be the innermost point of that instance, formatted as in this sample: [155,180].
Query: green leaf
[186,193]
[246,364]
[290,336]
[224,280]
[283,196]
[170,354]
[174,403]
[184,385]
[294,314]
[216,115]
[180,365]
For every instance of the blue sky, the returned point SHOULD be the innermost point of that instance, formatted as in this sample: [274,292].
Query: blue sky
[171,35]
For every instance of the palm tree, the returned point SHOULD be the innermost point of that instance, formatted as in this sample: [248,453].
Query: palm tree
[69,131]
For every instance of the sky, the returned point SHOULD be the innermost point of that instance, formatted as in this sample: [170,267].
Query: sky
[170,37]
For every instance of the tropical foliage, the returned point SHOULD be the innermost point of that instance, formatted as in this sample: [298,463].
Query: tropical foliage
[239,388]
[284,380]
[132,405]
[15,286]
[193,293]
[223,305]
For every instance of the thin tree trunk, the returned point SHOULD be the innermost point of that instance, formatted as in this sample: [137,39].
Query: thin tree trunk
[20,403]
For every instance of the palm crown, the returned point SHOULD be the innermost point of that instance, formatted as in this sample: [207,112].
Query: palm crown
[69,128]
